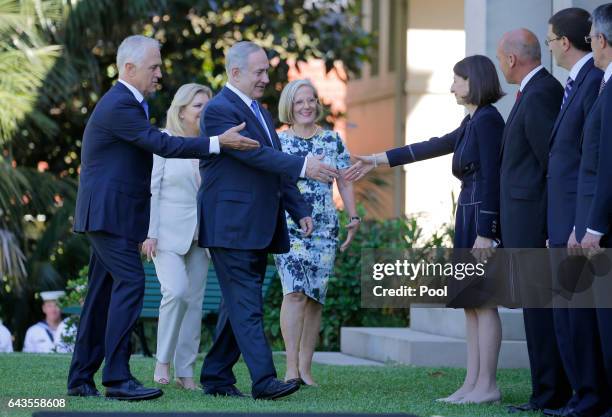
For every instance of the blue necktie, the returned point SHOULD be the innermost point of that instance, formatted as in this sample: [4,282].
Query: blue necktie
[602,85]
[145,106]
[568,88]
[255,108]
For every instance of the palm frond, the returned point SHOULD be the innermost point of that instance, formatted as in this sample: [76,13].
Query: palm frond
[12,259]
[19,89]
[13,185]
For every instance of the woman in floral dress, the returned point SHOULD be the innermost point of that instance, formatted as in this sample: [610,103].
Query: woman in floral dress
[305,270]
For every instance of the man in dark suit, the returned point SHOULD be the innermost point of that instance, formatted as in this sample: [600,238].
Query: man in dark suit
[575,328]
[524,161]
[594,206]
[242,201]
[113,210]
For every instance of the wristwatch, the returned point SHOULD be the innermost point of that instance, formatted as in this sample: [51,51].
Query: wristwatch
[356,218]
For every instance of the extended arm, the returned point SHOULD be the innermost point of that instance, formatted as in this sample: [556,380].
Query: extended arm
[132,126]
[404,155]
[217,120]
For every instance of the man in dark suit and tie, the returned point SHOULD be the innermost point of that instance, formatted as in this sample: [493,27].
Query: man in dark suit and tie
[594,206]
[524,161]
[575,328]
[242,201]
[113,210]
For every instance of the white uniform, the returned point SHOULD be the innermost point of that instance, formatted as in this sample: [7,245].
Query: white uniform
[40,338]
[6,341]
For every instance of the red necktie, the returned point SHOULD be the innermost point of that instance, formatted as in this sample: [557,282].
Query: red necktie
[519,93]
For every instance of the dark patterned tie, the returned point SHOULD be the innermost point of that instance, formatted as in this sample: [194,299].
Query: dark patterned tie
[602,85]
[255,108]
[145,106]
[568,88]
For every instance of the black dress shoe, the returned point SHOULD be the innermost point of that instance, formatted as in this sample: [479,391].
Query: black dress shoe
[228,391]
[131,390]
[84,390]
[607,413]
[558,412]
[277,389]
[523,408]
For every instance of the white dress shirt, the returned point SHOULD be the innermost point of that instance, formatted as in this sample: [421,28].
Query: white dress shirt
[214,146]
[573,74]
[248,100]
[529,76]
[608,73]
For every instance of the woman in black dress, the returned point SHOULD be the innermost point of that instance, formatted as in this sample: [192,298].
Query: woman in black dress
[475,146]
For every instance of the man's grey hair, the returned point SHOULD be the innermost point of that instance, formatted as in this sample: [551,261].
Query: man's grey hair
[602,21]
[238,55]
[132,49]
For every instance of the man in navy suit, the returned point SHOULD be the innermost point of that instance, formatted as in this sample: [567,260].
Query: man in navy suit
[524,162]
[575,328]
[113,210]
[594,206]
[242,201]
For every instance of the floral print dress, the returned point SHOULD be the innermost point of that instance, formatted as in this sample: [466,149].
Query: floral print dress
[310,261]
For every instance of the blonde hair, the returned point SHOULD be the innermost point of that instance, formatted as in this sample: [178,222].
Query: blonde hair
[285,105]
[183,97]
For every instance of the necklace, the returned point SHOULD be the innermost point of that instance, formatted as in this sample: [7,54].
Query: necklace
[314,133]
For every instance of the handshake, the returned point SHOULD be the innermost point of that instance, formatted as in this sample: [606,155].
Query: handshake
[315,169]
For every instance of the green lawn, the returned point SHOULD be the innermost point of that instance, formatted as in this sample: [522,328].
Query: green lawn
[358,389]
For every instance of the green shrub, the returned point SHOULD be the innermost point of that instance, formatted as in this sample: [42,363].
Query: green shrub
[76,290]
[343,302]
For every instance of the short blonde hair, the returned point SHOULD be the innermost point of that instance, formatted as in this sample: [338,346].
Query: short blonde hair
[184,95]
[285,105]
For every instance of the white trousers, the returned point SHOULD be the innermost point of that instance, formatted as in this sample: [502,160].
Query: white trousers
[183,280]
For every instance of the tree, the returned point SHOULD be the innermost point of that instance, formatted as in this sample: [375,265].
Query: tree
[79,41]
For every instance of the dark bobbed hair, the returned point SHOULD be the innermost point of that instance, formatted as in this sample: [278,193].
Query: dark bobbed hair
[573,23]
[482,78]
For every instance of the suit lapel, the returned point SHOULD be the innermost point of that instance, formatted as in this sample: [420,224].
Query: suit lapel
[540,74]
[579,79]
[233,97]
[508,123]
[270,125]
[122,89]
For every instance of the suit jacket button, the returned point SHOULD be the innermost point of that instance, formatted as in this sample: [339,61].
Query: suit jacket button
[278,194]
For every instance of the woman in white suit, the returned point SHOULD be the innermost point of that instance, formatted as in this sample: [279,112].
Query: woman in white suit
[180,264]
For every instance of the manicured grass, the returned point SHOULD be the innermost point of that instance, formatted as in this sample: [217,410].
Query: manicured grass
[388,389]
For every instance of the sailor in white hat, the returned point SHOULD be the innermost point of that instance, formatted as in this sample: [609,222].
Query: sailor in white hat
[6,340]
[46,336]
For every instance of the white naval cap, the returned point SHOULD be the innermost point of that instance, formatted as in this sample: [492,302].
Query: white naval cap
[51,295]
